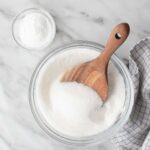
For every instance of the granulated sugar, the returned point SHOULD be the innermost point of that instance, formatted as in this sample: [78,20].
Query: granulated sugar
[72,108]
[34,29]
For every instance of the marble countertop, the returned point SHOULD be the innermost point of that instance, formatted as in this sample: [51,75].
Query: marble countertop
[75,20]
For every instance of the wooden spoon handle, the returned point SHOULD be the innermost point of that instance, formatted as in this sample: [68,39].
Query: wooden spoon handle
[118,35]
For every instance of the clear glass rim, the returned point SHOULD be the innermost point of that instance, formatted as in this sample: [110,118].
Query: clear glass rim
[43,11]
[89,140]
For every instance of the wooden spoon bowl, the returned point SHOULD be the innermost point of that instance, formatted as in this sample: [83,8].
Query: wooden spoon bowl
[94,72]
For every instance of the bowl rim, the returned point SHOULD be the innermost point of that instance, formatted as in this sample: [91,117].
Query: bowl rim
[89,140]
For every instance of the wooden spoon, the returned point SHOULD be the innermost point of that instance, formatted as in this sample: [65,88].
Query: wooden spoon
[94,72]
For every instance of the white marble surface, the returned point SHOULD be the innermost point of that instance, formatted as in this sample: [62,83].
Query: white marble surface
[76,20]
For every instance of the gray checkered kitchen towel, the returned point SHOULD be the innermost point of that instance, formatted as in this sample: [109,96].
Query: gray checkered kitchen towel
[135,135]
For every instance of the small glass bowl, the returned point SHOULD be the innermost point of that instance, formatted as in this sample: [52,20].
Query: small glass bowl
[21,15]
[89,140]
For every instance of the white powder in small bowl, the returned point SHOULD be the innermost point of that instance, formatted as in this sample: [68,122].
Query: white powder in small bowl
[34,29]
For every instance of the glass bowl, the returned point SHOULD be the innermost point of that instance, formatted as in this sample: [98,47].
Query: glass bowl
[24,13]
[89,140]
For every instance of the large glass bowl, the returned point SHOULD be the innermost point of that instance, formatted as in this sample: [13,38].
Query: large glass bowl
[102,136]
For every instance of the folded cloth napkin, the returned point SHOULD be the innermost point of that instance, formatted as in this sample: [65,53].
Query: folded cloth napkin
[135,135]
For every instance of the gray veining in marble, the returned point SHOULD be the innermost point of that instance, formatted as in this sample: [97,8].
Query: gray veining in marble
[75,20]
